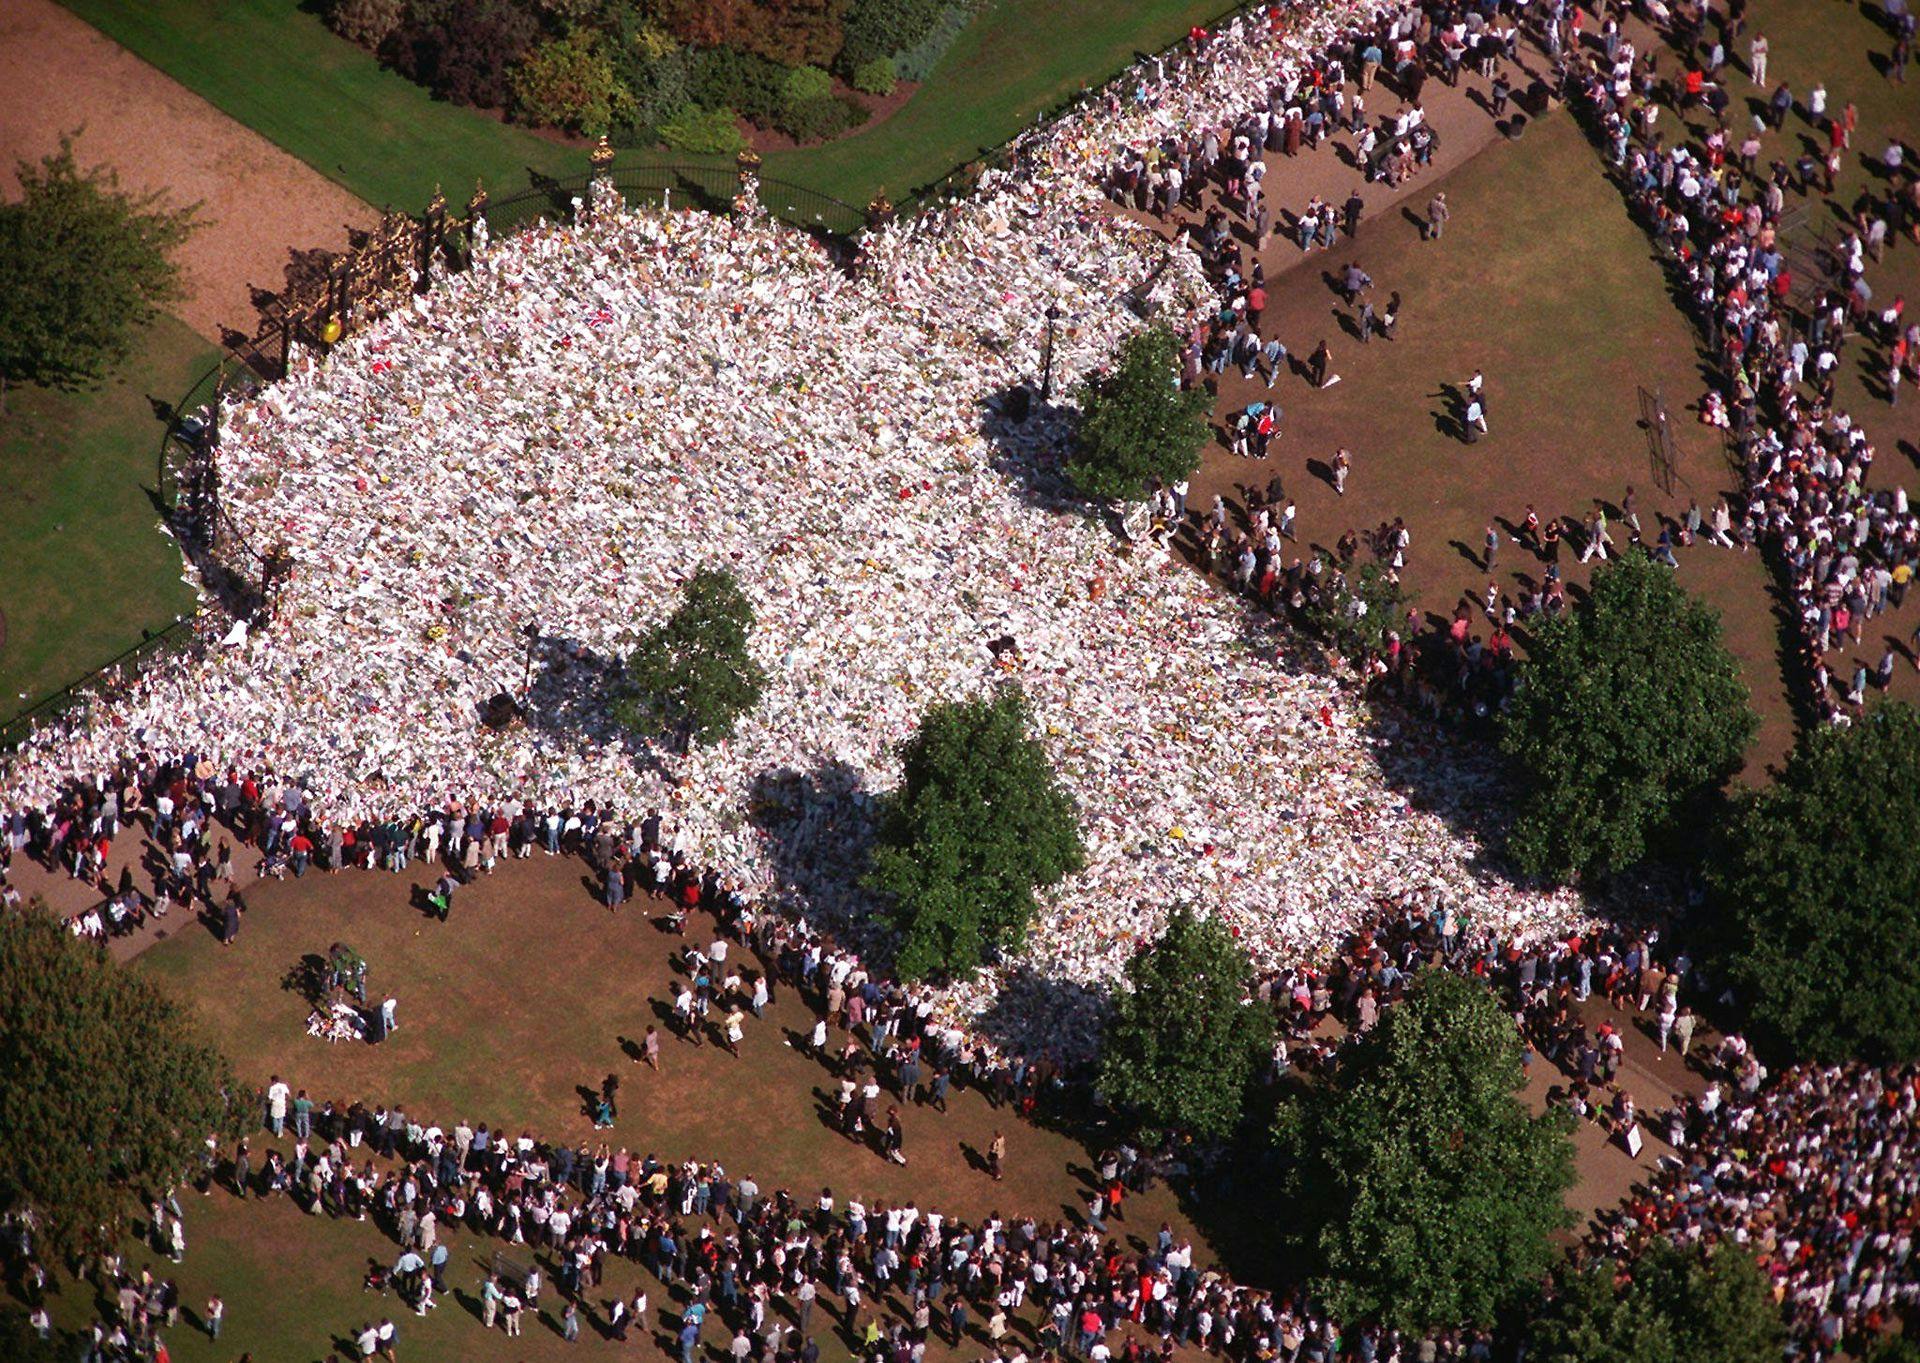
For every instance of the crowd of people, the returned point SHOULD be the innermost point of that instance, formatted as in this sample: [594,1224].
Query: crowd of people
[1847,548]
[519,470]
[551,441]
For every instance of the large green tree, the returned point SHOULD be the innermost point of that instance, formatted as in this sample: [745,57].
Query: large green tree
[1630,712]
[1184,1038]
[1423,1190]
[692,673]
[1136,423]
[107,1090]
[1818,888]
[87,264]
[977,824]
[1675,1305]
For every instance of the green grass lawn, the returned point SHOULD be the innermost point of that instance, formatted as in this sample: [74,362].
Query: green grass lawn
[84,566]
[274,66]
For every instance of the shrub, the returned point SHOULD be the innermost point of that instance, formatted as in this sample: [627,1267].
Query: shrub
[656,88]
[693,673]
[805,83]
[879,28]
[366,22]
[1631,716]
[875,77]
[1419,1181]
[570,83]
[703,130]
[87,265]
[789,32]
[745,82]
[462,50]
[1819,891]
[819,119]
[1136,424]
[978,822]
[916,63]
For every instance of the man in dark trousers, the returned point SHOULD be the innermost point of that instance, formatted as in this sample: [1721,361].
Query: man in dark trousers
[1352,209]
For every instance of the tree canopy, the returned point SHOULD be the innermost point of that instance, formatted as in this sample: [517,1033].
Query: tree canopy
[692,673]
[1677,1305]
[1819,890]
[106,1089]
[1136,423]
[1184,1039]
[977,824]
[88,265]
[1631,710]
[1423,1189]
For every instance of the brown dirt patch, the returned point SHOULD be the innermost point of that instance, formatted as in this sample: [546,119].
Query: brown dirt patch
[257,202]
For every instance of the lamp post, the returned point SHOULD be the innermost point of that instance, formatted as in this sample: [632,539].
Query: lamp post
[1046,355]
[532,631]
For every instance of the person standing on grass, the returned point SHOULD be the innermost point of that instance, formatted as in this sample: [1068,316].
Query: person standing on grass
[1437,215]
[1342,463]
[1319,363]
[1492,542]
[650,1047]
[216,1316]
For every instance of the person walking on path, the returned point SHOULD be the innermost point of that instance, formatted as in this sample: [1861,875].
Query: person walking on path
[1437,215]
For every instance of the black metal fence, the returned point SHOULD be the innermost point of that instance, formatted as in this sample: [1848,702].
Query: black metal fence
[117,670]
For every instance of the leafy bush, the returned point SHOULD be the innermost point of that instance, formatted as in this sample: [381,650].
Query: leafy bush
[879,28]
[655,90]
[977,823]
[745,82]
[1420,1184]
[462,50]
[789,32]
[692,673]
[875,77]
[819,119]
[917,62]
[805,83]
[703,130]
[366,22]
[570,83]
[1184,1041]
[1819,891]
[87,265]
[1136,424]
[1632,714]
[1356,611]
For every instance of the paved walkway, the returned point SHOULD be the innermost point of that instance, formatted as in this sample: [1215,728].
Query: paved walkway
[257,202]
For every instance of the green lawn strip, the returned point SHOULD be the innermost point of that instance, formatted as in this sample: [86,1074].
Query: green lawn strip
[1015,62]
[85,566]
[274,66]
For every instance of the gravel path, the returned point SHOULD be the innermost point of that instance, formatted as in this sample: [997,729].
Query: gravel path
[257,202]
